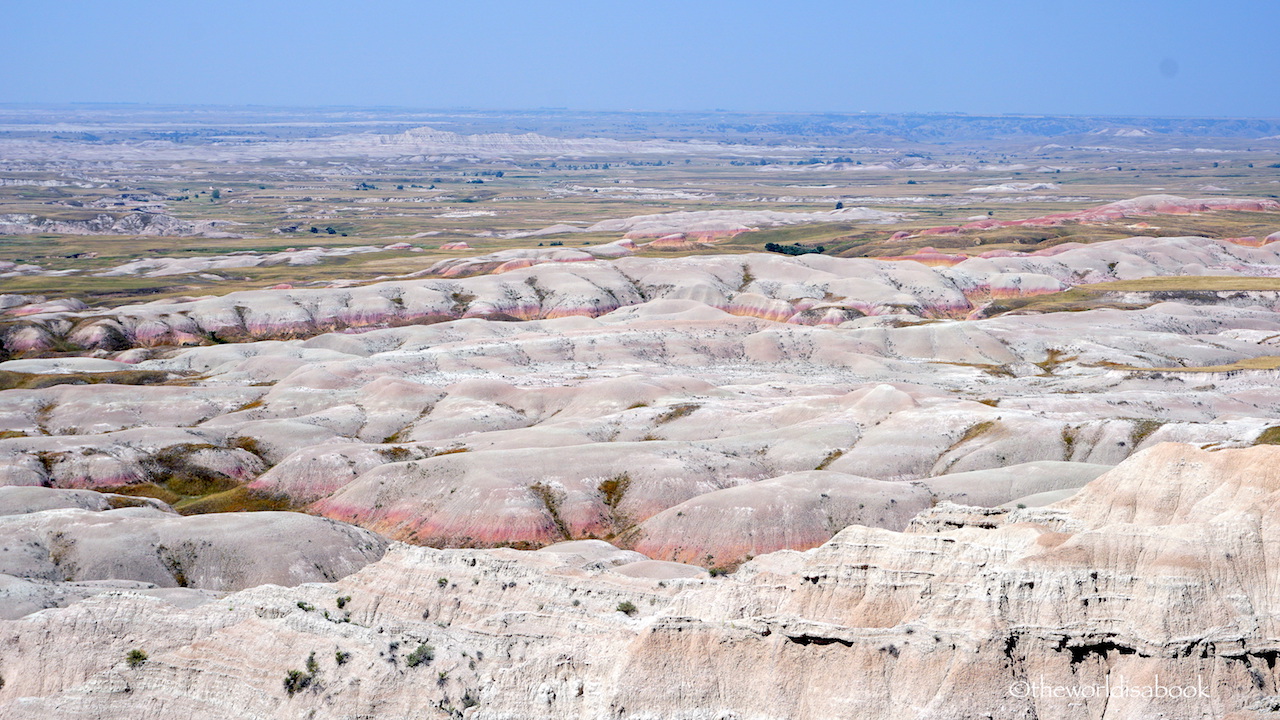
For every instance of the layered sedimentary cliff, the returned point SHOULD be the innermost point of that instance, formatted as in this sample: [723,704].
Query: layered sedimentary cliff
[812,290]
[1160,567]
[133,223]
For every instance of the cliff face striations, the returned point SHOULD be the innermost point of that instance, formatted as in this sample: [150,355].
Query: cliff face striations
[1160,567]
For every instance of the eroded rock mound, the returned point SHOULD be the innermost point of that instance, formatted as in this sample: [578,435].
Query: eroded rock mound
[137,223]
[1142,206]
[643,400]
[796,511]
[218,552]
[562,282]
[57,546]
[1160,567]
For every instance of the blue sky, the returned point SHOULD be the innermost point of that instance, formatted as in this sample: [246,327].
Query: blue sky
[1174,57]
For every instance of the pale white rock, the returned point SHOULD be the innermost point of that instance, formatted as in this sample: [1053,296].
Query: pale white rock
[1157,568]
[998,486]
[220,551]
[17,500]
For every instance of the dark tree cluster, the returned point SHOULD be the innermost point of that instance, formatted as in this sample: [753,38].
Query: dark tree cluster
[796,249]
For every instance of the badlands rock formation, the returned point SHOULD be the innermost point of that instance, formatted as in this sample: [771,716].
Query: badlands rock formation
[59,546]
[412,145]
[507,260]
[162,267]
[428,141]
[1013,187]
[137,223]
[1135,207]
[807,487]
[1156,574]
[811,290]
[713,224]
[646,401]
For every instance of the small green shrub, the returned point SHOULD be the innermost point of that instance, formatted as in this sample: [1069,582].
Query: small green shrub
[342,601]
[627,607]
[135,658]
[424,654]
[306,606]
[313,667]
[341,657]
[295,681]
[443,582]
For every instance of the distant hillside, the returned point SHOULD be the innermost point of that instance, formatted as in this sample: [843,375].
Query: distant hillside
[941,127]
[210,123]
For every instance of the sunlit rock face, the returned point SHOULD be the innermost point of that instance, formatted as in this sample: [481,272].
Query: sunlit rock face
[1159,567]
[60,546]
[701,409]
[559,282]
[806,486]
[1143,206]
[135,223]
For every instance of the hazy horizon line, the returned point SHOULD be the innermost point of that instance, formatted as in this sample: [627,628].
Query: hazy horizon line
[623,111]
